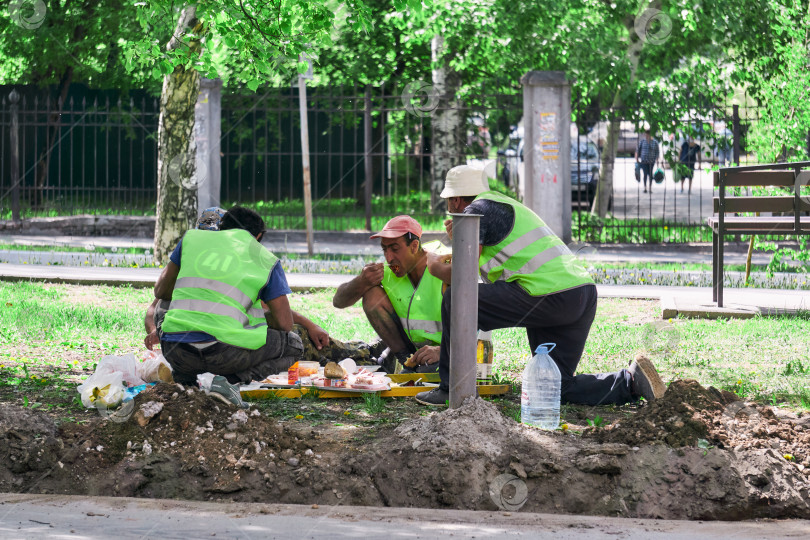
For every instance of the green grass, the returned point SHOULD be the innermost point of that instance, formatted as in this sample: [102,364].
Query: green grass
[51,337]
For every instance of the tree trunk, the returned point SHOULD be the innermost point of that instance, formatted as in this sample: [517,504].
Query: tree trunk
[447,123]
[604,188]
[636,40]
[177,150]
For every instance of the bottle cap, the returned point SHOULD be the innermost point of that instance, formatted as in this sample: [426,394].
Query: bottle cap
[545,348]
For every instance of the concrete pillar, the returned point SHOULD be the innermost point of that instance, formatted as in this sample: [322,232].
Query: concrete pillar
[546,183]
[464,308]
[207,134]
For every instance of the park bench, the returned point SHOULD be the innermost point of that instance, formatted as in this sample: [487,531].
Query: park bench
[787,212]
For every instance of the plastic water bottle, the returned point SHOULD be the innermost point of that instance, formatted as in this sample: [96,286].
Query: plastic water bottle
[540,398]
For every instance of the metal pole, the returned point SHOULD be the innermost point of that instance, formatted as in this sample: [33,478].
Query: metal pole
[14,139]
[302,105]
[735,125]
[464,308]
[368,165]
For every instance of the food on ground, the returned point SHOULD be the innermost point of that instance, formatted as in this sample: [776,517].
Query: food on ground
[334,371]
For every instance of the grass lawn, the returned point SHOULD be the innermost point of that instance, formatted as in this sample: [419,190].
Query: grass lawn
[51,337]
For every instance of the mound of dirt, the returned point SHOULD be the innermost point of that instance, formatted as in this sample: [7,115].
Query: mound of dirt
[691,415]
[182,443]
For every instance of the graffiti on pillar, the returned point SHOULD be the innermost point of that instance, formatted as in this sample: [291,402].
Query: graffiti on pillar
[548,145]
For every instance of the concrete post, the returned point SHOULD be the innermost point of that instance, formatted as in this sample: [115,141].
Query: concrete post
[207,134]
[546,183]
[464,308]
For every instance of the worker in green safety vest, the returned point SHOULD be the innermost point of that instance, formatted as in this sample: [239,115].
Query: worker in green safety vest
[531,280]
[401,299]
[214,323]
[315,338]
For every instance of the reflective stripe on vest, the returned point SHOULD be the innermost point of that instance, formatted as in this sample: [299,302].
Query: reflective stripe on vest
[214,308]
[221,275]
[515,247]
[420,309]
[433,327]
[211,284]
[530,254]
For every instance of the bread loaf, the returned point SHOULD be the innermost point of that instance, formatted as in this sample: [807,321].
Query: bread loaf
[333,371]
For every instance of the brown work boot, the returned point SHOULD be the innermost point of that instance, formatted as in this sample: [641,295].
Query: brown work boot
[646,381]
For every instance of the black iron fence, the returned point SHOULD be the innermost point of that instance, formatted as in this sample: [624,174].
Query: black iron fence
[97,153]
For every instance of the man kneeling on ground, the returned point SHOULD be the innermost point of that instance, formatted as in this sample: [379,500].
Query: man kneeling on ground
[531,280]
[215,281]
[401,298]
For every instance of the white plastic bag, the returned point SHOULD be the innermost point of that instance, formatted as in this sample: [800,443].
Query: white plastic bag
[205,380]
[127,365]
[104,388]
[150,369]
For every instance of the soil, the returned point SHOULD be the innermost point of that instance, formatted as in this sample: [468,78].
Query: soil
[695,454]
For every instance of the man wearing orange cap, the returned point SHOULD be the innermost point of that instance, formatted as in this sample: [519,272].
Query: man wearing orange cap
[401,299]
[531,280]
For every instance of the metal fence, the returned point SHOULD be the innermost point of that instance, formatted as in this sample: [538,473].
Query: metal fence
[98,154]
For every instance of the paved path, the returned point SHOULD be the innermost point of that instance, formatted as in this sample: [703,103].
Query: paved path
[60,516]
[281,242]
[691,300]
[665,201]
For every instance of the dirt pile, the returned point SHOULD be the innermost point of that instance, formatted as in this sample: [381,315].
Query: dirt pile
[178,443]
[691,415]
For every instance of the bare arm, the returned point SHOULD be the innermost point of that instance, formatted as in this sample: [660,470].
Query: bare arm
[318,336]
[438,265]
[151,338]
[279,315]
[165,283]
[350,292]
[149,320]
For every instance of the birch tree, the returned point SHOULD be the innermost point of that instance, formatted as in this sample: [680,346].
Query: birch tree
[243,42]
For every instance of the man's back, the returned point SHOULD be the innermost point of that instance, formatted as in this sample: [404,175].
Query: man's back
[648,150]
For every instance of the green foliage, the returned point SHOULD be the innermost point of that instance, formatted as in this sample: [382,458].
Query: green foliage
[783,78]
[248,42]
[71,41]
[373,403]
[597,422]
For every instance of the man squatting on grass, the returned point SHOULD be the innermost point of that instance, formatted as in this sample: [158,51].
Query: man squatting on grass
[401,298]
[217,281]
[210,220]
[531,280]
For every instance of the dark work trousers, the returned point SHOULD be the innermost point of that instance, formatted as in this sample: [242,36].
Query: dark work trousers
[563,318]
[237,364]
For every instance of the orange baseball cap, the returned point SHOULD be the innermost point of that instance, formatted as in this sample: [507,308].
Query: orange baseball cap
[400,226]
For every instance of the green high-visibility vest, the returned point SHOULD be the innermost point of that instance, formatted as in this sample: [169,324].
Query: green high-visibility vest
[217,288]
[531,254]
[420,309]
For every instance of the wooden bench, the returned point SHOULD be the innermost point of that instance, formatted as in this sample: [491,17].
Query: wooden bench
[790,221]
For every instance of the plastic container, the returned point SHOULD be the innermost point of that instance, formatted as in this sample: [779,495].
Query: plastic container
[483,357]
[540,398]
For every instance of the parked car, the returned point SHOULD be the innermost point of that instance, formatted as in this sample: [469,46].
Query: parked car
[585,167]
[627,142]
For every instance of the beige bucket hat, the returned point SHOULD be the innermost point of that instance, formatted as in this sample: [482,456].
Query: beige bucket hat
[465,181]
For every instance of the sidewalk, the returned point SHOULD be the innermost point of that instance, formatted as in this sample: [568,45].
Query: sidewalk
[61,516]
[684,301]
[359,244]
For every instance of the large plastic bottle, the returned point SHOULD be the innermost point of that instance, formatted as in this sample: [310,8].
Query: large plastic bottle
[540,398]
